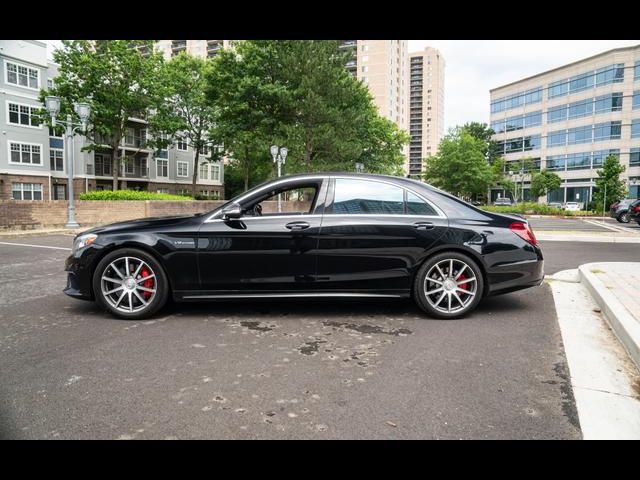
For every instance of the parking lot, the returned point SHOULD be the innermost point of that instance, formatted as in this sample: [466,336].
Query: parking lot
[334,369]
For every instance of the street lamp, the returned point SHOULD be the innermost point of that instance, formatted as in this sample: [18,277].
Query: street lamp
[83,110]
[279,156]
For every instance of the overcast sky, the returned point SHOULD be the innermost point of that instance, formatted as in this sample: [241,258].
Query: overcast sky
[473,67]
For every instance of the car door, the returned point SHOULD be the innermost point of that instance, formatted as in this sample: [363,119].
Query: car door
[263,251]
[374,234]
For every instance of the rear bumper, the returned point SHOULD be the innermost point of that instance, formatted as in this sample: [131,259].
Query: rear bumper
[516,276]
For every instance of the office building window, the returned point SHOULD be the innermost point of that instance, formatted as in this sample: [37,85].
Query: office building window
[607,131]
[22,76]
[556,138]
[635,128]
[25,153]
[23,115]
[602,76]
[636,75]
[56,158]
[636,100]
[182,169]
[512,101]
[634,157]
[27,191]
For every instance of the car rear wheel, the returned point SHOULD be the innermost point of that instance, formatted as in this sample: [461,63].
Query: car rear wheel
[130,284]
[448,285]
[623,218]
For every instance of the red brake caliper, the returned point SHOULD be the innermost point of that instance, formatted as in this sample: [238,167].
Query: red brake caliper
[464,286]
[147,283]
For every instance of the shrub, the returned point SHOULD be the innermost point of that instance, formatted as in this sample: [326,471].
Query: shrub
[532,208]
[130,195]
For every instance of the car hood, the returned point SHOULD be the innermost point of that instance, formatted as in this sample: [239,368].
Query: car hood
[142,223]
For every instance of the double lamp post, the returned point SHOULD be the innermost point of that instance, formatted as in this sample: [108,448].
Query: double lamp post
[279,156]
[83,110]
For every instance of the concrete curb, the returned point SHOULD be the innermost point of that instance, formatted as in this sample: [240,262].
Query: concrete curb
[624,325]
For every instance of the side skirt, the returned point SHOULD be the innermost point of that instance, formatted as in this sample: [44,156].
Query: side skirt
[193,296]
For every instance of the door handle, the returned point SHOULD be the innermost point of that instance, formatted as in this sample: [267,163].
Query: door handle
[296,226]
[423,225]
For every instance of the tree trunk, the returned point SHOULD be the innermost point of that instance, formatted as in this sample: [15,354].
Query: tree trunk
[308,149]
[195,173]
[115,163]
[246,168]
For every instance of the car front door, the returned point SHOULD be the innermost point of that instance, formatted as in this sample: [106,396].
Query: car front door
[265,250]
[374,234]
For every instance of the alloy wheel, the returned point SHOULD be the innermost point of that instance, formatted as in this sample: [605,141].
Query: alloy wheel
[450,286]
[128,284]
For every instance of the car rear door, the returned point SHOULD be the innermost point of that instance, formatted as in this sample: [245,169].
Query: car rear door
[374,233]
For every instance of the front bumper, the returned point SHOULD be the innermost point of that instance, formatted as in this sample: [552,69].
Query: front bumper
[79,277]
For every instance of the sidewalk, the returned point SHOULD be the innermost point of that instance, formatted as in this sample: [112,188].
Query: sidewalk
[43,231]
[614,287]
[582,236]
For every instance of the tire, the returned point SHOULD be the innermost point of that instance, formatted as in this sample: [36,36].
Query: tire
[468,291]
[118,292]
[623,217]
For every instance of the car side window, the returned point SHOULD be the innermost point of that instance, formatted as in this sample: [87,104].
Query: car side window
[364,197]
[293,200]
[417,206]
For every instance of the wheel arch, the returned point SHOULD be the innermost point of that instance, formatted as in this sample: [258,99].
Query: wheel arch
[124,245]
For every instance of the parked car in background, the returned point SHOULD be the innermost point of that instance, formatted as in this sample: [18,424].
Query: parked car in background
[572,207]
[503,201]
[557,205]
[634,212]
[620,210]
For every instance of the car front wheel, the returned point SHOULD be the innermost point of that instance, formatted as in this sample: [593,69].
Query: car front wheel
[130,283]
[448,285]
[623,218]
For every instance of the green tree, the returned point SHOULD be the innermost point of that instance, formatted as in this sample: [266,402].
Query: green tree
[609,177]
[460,166]
[544,182]
[115,79]
[186,113]
[483,132]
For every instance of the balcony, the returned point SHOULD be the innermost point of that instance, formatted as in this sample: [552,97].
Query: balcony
[135,141]
[348,43]
[136,170]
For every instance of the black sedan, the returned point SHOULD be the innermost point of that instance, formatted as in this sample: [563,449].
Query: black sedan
[315,235]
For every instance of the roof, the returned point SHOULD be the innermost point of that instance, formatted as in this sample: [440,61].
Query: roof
[608,52]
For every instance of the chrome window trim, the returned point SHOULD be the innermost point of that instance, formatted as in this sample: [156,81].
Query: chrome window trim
[441,214]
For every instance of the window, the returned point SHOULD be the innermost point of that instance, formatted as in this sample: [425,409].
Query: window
[181,144]
[215,173]
[417,206]
[365,69]
[204,171]
[103,164]
[365,197]
[300,199]
[56,158]
[579,135]
[557,114]
[24,115]
[25,153]
[607,131]
[556,162]
[27,191]
[635,128]
[556,138]
[183,169]
[162,190]
[636,75]
[636,100]
[22,76]
[204,193]
[634,157]
[162,167]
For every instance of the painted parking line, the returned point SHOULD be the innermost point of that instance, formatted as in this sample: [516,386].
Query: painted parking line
[35,246]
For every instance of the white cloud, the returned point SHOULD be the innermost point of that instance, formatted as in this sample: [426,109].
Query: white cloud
[473,67]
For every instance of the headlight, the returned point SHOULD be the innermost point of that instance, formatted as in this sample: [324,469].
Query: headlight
[84,241]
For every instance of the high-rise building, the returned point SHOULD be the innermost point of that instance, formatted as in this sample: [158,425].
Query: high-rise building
[197,48]
[32,156]
[382,66]
[426,107]
[569,119]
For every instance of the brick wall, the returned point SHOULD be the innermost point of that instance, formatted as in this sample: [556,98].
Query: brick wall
[28,215]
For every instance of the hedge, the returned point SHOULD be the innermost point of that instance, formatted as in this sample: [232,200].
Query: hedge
[532,208]
[130,195]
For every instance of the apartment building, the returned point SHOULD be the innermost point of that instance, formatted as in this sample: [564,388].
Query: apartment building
[32,156]
[197,48]
[569,119]
[426,107]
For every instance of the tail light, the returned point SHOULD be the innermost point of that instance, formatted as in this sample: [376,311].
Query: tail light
[636,209]
[523,230]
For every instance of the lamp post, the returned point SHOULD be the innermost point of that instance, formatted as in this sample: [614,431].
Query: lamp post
[279,156]
[83,110]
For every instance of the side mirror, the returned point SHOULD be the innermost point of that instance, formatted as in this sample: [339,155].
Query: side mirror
[232,211]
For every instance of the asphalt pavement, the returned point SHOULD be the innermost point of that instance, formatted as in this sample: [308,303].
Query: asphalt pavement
[338,369]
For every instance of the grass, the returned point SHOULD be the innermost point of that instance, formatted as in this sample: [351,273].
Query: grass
[107,195]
